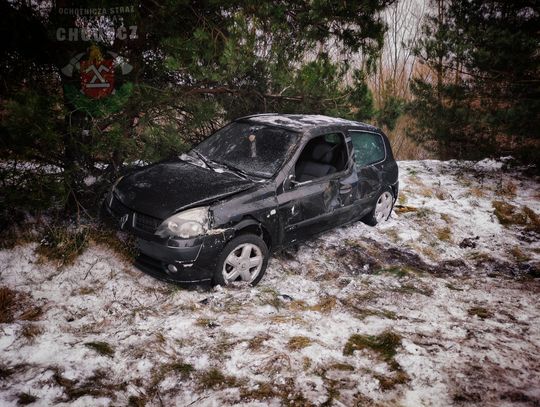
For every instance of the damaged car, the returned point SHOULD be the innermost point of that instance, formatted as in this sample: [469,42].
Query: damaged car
[257,185]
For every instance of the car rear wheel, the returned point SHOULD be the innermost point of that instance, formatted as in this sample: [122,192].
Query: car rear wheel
[381,210]
[243,259]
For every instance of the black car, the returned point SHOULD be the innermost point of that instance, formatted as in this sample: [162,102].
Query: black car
[255,186]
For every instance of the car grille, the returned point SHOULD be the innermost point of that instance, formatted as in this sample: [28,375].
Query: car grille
[147,223]
[142,222]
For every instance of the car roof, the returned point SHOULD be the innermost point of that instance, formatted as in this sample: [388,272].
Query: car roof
[303,122]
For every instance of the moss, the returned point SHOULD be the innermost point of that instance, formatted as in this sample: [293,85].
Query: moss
[298,342]
[384,344]
[103,348]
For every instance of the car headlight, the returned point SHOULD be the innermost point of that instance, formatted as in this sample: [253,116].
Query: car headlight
[186,224]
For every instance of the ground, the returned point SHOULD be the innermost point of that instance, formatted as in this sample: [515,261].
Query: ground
[436,307]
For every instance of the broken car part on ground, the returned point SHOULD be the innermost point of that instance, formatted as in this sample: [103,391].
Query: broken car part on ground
[257,185]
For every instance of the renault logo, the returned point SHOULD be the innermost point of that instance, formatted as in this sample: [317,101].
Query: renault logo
[123,220]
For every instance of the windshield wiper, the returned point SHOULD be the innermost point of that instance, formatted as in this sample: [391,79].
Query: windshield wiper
[234,170]
[203,159]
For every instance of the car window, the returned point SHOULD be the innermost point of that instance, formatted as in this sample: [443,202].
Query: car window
[368,147]
[322,156]
[255,149]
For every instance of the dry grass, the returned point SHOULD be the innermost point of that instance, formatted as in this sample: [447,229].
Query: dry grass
[31,331]
[477,192]
[215,379]
[256,343]
[444,234]
[509,215]
[24,399]
[62,245]
[385,344]
[103,348]
[298,342]
[507,189]
[518,254]
[7,303]
[480,312]
[108,238]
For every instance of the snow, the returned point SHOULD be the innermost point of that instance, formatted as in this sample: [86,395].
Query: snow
[450,355]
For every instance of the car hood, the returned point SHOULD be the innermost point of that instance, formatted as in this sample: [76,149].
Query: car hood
[162,189]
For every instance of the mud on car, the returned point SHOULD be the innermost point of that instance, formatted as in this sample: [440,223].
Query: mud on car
[257,185]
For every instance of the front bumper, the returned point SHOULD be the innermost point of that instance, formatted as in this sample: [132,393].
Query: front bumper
[171,259]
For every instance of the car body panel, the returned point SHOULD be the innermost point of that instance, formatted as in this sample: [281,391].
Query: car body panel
[278,209]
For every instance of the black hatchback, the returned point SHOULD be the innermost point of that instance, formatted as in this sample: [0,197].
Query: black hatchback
[255,186]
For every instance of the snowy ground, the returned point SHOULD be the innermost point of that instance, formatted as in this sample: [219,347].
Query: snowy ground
[463,322]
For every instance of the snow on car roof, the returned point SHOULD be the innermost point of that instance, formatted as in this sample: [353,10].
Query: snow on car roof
[303,121]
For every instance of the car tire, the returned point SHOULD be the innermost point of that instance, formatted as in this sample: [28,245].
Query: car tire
[382,209]
[244,255]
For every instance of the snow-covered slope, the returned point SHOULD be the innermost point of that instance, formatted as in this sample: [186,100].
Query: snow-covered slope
[437,306]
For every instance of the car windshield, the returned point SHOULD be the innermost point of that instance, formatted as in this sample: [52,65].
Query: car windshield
[253,149]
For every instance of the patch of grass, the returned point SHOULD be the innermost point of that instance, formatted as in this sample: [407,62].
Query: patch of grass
[477,192]
[262,391]
[412,289]
[509,215]
[447,218]
[103,348]
[389,382]
[451,286]
[257,341]
[31,331]
[136,401]
[399,272]
[298,342]
[402,199]
[507,189]
[344,367]
[384,345]
[364,313]
[480,312]
[124,246]
[325,305]
[215,379]
[7,303]
[62,244]
[518,254]
[269,296]
[178,368]
[31,314]
[24,399]
[444,234]
[206,323]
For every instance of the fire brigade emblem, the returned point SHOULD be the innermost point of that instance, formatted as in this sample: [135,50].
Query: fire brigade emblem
[97,75]
[96,72]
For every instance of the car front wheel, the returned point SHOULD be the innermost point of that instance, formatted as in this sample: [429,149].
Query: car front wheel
[382,208]
[243,259]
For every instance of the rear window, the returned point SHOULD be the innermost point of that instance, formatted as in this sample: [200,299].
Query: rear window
[368,147]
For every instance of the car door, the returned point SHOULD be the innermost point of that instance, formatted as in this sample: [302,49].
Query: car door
[369,155]
[308,207]
[305,209]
